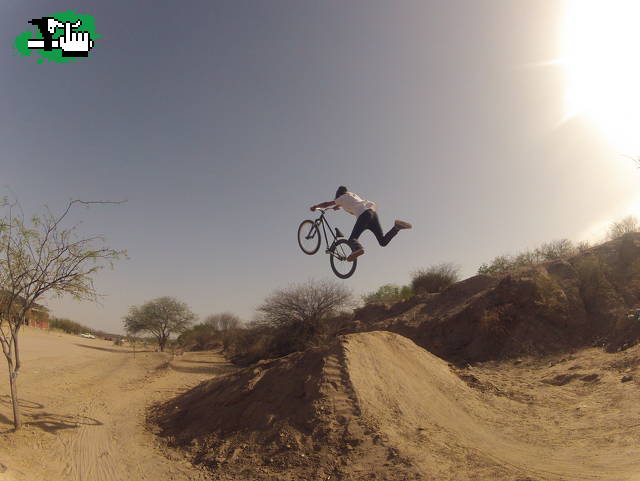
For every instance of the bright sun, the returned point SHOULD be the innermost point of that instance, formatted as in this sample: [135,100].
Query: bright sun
[601,57]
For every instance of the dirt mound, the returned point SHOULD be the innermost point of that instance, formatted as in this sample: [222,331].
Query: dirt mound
[352,411]
[377,406]
[558,306]
[289,419]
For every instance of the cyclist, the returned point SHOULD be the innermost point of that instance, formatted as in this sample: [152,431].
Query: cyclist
[367,218]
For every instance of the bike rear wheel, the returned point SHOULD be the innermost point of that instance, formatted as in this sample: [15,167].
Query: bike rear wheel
[338,259]
[309,237]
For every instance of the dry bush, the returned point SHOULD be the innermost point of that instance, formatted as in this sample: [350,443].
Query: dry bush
[291,320]
[558,249]
[622,227]
[549,251]
[249,345]
[592,272]
[435,278]
[301,310]
[223,321]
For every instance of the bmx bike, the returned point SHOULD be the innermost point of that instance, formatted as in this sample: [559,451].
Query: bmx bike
[309,240]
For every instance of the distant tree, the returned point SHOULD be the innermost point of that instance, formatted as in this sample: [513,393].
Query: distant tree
[160,317]
[38,257]
[435,278]
[199,337]
[302,309]
[223,321]
[622,227]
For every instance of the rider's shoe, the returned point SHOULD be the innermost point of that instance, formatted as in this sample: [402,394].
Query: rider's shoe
[400,224]
[354,254]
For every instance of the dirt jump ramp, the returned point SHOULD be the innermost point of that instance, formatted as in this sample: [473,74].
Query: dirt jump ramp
[377,406]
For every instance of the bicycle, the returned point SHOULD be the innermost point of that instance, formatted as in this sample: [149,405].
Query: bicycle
[309,240]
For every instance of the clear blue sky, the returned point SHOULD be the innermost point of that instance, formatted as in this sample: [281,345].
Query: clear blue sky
[221,122]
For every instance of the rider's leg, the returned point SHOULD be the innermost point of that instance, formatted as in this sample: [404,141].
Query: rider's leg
[362,223]
[374,226]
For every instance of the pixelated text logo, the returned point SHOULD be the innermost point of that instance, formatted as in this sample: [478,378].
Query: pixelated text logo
[58,38]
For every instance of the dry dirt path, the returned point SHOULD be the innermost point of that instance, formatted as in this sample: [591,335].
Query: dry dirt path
[84,404]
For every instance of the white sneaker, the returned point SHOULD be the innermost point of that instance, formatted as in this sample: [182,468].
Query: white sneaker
[400,224]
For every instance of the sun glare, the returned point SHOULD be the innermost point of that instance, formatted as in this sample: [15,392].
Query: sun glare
[601,43]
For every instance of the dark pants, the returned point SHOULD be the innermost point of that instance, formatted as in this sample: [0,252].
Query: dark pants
[369,220]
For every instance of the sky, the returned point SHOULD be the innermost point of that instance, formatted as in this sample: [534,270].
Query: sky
[221,122]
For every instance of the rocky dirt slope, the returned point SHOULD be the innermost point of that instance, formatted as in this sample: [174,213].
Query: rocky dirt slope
[560,305]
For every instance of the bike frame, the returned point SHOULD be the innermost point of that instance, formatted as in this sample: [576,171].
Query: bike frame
[322,221]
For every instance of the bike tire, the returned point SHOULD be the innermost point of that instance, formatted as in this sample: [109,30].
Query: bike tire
[305,229]
[346,248]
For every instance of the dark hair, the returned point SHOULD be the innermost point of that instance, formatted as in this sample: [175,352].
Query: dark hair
[341,191]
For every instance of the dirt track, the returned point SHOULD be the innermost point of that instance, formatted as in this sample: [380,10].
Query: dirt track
[376,406]
[83,402]
[399,413]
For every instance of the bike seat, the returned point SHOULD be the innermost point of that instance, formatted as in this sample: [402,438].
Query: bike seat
[338,233]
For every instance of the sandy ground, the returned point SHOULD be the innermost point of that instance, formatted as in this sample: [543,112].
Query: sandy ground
[397,412]
[84,405]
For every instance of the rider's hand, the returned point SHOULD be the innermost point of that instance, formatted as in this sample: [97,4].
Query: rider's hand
[337,207]
[312,208]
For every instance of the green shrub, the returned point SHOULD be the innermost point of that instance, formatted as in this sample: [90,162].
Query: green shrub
[388,293]
[68,326]
[199,337]
[435,278]
[593,275]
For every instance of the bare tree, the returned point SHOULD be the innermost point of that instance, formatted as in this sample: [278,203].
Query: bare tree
[557,249]
[38,257]
[223,321]
[161,317]
[624,226]
[303,308]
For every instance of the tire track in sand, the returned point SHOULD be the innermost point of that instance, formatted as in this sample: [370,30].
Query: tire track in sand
[118,447]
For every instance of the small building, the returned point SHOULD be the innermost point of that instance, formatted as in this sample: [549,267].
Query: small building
[38,316]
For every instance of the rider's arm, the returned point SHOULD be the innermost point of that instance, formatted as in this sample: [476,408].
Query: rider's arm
[323,205]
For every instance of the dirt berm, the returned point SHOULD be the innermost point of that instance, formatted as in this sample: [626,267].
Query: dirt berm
[557,306]
[375,406]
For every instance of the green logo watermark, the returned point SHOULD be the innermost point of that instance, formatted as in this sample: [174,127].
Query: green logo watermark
[58,38]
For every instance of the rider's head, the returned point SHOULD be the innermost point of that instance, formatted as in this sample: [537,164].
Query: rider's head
[341,191]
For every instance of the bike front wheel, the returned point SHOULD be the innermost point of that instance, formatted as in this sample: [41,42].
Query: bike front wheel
[309,237]
[338,259]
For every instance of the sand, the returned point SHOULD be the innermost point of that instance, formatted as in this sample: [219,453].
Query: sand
[84,405]
[372,406]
